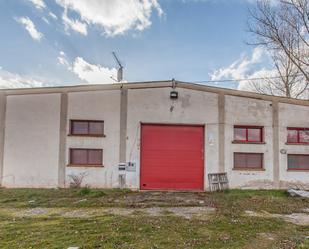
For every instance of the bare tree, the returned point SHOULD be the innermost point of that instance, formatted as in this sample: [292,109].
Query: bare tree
[283,28]
[284,80]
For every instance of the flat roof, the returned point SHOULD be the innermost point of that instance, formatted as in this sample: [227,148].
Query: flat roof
[152,84]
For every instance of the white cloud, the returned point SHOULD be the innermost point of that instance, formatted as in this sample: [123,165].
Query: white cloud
[75,25]
[45,20]
[115,17]
[39,4]
[52,15]
[246,68]
[91,73]
[63,60]
[12,80]
[30,27]
[261,74]
[241,68]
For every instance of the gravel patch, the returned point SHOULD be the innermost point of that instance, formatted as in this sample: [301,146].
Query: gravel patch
[295,218]
[185,212]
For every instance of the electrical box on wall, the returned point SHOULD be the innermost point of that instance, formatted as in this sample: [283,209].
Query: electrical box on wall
[122,168]
[126,167]
[131,166]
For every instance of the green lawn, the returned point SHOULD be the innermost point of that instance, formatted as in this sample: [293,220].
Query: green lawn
[78,217]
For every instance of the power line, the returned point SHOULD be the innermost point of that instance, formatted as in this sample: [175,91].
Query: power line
[248,79]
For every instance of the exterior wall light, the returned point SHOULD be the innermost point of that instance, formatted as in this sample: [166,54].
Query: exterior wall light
[174,94]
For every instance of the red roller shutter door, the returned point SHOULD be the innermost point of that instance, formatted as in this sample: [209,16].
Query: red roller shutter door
[172,157]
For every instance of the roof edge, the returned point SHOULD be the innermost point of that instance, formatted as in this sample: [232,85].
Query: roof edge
[152,84]
[241,93]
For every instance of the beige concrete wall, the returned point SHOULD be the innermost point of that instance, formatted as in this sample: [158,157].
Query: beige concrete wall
[32,132]
[31,141]
[292,116]
[245,111]
[155,106]
[99,105]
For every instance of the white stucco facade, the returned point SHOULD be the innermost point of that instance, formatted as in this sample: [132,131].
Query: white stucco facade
[36,153]
[192,107]
[31,141]
[292,116]
[99,105]
[246,111]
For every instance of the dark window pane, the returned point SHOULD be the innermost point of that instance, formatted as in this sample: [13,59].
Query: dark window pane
[292,136]
[240,134]
[298,162]
[304,136]
[96,128]
[79,127]
[78,156]
[95,157]
[248,160]
[239,160]
[254,135]
[254,161]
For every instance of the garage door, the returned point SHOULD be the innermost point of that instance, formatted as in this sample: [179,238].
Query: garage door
[172,157]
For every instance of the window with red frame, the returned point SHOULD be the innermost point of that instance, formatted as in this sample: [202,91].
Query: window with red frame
[248,160]
[248,134]
[298,162]
[298,135]
[87,128]
[86,157]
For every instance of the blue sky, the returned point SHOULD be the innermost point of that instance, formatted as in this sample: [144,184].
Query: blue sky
[65,42]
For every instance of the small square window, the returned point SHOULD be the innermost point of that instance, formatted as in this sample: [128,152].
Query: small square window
[96,128]
[78,156]
[240,134]
[292,136]
[248,160]
[298,135]
[86,157]
[298,162]
[304,136]
[254,135]
[248,134]
[87,128]
[95,157]
[79,127]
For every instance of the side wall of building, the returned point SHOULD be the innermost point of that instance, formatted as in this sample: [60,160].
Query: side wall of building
[31,144]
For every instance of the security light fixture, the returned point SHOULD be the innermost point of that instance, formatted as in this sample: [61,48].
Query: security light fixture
[174,94]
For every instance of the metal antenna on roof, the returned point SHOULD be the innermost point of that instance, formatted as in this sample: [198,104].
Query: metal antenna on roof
[120,68]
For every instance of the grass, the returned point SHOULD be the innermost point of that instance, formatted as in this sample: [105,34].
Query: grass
[226,228]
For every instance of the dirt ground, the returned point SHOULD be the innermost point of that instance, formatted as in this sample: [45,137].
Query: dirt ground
[100,218]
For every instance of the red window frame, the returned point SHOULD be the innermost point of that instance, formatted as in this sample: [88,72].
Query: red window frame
[88,122]
[260,128]
[296,169]
[235,167]
[87,164]
[297,129]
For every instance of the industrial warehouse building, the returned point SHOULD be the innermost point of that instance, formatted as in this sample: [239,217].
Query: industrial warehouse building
[164,135]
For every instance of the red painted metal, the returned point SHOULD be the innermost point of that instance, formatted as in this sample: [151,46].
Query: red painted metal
[172,157]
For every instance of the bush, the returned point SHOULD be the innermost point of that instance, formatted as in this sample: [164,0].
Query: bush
[91,192]
[84,191]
